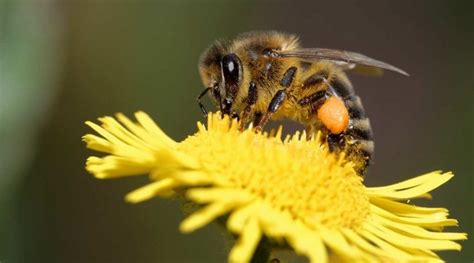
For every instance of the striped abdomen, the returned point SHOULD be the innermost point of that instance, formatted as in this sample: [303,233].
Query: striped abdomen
[357,140]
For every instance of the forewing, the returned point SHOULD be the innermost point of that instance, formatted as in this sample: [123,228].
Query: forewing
[346,59]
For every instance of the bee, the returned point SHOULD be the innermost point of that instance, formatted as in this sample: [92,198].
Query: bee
[262,76]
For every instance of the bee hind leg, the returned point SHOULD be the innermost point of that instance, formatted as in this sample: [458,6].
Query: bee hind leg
[335,142]
[354,150]
[311,131]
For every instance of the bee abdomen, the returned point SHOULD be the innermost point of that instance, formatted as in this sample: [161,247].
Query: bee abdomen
[359,138]
[360,129]
[342,88]
[355,108]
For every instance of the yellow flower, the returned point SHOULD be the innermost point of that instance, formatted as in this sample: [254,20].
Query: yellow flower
[291,190]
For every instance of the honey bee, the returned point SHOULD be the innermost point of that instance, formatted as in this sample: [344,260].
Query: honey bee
[267,75]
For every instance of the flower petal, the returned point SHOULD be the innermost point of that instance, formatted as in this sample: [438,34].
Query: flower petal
[215,194]
[335,240]
[161,188]
[239,217]
[418,180]
[292,190]
[247,243]
[412,190]
[424,222]
[114,127]
[410,242]
[114,166]
[97,144]
[392,251]
[417,231]
[362,243]
[408,209]
[204,216]
[153,129]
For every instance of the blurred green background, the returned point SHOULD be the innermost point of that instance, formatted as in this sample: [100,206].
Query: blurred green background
[65,62]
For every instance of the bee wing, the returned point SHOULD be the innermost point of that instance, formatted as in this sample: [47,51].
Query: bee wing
[346,59]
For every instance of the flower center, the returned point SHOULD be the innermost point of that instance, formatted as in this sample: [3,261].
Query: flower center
[298,176]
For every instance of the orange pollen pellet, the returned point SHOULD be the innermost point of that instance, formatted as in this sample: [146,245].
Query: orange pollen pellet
[334,115]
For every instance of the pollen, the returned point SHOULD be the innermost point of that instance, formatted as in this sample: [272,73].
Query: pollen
[334,115]
[291,190]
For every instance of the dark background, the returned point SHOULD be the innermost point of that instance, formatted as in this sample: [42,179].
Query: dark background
[65,62]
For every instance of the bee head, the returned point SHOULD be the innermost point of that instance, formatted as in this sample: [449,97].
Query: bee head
[221,71]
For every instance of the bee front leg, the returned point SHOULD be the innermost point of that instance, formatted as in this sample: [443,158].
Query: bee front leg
[279,97]
[275,104]
[198,100]
[250,102]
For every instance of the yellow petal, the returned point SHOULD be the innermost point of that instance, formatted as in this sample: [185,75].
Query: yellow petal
[238,218]
[410,242]
[152,128]
[417,231]
[204,216]
[191,177]
[159,188]
[113,167]
[338,243]
[97,144]
[415,191]
[107,135]
[386,246]
[419,221]
[292,190]
[363,243]
[407,183]
[114,127]
[246,244]
[407,209]
[206,195]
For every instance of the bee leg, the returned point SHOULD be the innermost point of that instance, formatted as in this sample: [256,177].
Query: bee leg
[257,117]
[279,97]
[275,104]
[250,101]
[335,142]
[315,100]
[315,79]
[198,99]
[309,131]
[312,129]
[244,117]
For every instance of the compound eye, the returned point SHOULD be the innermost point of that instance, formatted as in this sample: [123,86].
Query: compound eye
[231,69]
